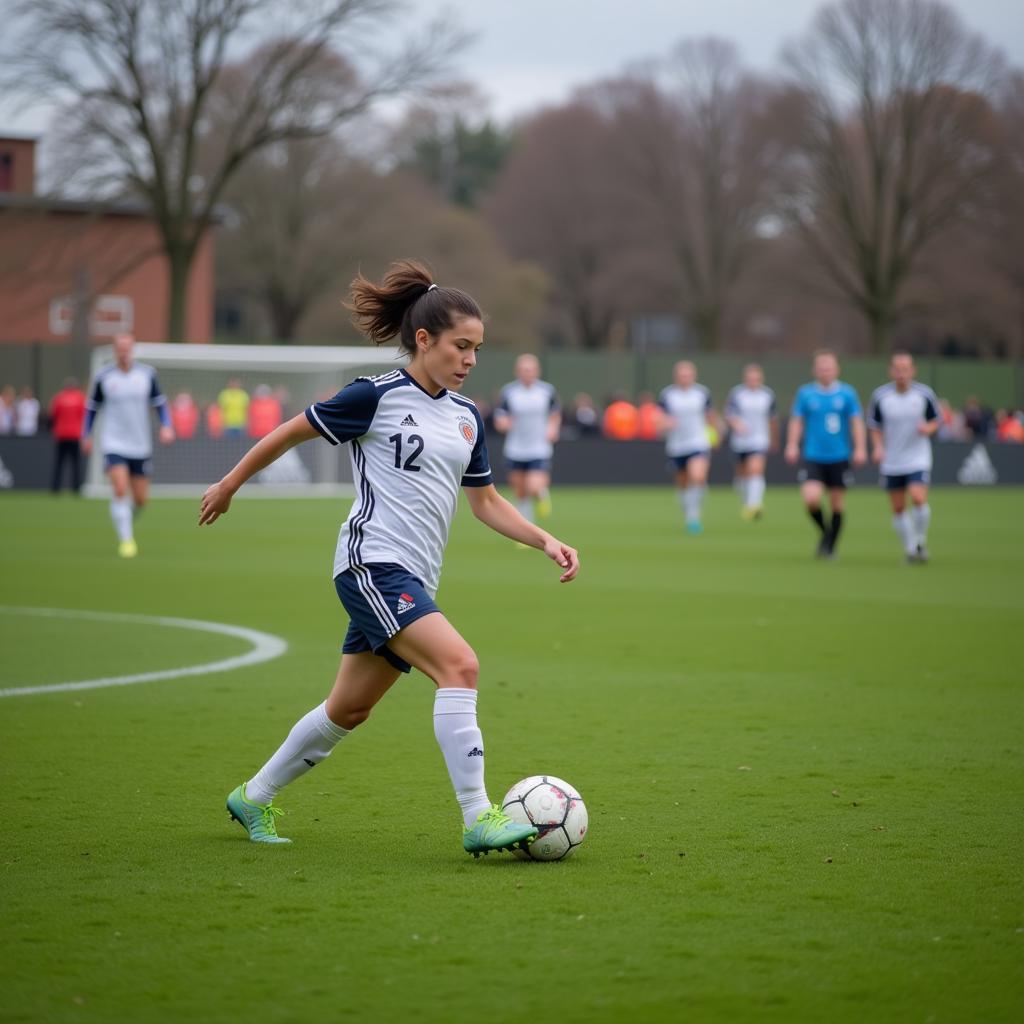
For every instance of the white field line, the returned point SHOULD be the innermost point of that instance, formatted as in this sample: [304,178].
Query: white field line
[265,647]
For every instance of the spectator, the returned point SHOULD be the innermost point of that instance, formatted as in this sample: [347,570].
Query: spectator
[184,416]
[26,413]
[234,408]
[620,419]
[214,420]
[7,402]
[67,414]
[649,417]
[977,418]
[583,419]
[265,412]
[1009,427]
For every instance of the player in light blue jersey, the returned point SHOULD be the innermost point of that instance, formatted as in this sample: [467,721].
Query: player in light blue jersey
[414,442]
[530,417]
[127,393]
[826,417]
[903,416]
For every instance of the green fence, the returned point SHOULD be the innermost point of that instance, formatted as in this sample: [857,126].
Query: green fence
[997,384]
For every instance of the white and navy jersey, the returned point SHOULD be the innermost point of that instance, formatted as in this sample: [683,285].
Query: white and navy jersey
[411,452]
[689,408]
[528,409]
[126,398]
[897,415]
[754,408]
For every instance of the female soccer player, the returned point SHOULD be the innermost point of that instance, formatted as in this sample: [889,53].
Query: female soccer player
[903,417]
[413,441]
[688,414]
[753,432]
[530,418]
[126,390]
[826,418]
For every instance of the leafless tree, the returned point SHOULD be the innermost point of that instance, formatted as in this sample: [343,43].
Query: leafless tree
[300,216]
[555,203]
[697,161]
[890,153]
[137,80]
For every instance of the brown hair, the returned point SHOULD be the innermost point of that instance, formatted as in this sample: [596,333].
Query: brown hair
[405,301]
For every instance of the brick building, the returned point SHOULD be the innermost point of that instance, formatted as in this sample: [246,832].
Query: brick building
[53,249]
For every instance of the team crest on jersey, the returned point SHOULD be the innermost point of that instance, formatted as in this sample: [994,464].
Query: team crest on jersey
[467,428]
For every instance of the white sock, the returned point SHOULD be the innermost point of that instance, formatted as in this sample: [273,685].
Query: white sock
[312,738]
[121,514]
[901,524]
[526,509]
[921,516]
[755,491]
[693,497]
[460,741]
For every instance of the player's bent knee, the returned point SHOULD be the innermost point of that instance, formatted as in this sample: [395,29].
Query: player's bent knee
[463,671]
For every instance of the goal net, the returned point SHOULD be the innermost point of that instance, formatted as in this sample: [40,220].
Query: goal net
[278,382]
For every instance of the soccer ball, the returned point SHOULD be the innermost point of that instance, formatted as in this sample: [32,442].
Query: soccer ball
[555,808]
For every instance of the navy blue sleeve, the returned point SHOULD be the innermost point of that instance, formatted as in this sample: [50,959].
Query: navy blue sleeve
[875,413]
[157,399]
[931,409]
[772,409]
[502,405]
[731,408]
[348,414]
[707,399]
[663,400]
[92,407]
[478,472]
[555,405]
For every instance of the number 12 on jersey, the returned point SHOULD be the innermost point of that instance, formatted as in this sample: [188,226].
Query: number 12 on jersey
[414,439]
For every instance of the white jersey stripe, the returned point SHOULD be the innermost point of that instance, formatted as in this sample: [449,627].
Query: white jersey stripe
[375,599]
[334,440]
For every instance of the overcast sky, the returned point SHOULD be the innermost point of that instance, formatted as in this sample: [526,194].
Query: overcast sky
[530,52]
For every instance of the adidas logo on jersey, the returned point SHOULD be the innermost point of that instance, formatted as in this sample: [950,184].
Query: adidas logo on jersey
[405,602]
[409,421]
[977,468]
[475,752]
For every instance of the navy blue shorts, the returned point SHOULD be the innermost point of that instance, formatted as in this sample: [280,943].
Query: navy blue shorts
[741,457]
[527,465]
[680,461]
[136,467]
[901,481]
[380,599]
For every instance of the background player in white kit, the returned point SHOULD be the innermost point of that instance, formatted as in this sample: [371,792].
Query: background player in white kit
[753,432]
[902,418]
[414,441]
[126,391]
[688,413]
[530,417]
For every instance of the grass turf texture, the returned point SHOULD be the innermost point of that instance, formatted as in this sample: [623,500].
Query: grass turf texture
[803,778]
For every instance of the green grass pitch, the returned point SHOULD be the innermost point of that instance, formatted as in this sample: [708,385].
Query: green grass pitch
[804,779]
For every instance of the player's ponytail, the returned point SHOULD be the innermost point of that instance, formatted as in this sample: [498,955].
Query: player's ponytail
[405,301]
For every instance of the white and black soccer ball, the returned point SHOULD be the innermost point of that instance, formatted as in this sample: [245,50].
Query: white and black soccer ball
[555,808]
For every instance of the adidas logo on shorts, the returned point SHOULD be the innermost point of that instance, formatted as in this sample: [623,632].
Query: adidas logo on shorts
[409,421]
[405,602]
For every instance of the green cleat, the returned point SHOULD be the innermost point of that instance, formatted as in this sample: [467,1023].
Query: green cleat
[256,819]
[495,830]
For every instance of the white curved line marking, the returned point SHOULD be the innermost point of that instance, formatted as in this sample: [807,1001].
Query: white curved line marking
[265,647]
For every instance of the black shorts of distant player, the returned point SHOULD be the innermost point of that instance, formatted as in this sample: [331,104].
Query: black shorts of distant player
[830,474]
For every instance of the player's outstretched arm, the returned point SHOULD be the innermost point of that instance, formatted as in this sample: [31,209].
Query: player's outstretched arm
[794,435]
[217,498]
[860,440]
[501,516]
